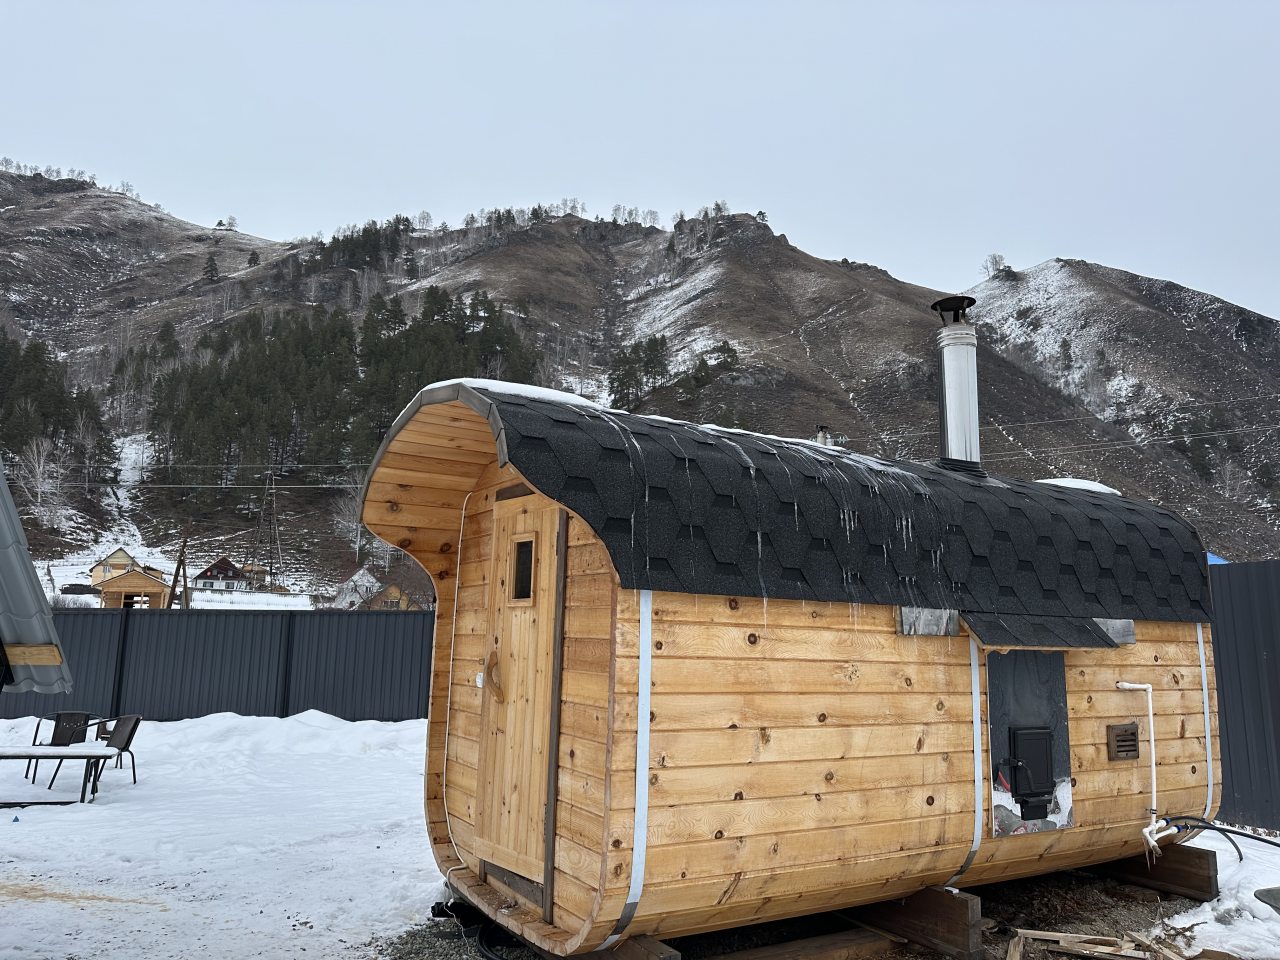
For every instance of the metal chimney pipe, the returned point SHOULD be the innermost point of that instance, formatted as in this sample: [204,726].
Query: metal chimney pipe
[958,359]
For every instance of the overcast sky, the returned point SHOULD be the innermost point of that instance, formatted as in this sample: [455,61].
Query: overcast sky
[916,136]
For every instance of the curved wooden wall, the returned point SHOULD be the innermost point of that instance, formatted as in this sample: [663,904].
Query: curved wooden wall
[441,463]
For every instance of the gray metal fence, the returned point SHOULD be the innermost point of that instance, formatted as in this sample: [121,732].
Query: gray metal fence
[1246,651]
[175,664]
[375,665]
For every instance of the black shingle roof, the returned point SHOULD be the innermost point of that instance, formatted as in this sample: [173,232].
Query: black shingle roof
[710,511]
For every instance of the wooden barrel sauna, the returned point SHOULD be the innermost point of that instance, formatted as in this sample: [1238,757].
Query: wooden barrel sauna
[687,678]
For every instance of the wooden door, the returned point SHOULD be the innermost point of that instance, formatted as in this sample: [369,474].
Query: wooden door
[516,698]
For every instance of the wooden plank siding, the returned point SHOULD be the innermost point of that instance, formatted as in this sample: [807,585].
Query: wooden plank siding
[806,757]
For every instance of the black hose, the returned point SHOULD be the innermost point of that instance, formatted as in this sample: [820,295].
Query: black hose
[483,941]
[1210,825]
[1229,830]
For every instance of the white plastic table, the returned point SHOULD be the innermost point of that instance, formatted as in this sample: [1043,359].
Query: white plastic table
[89,753]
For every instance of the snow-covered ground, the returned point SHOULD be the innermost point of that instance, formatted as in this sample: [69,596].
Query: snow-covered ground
[1237,922]
[245,837]
[260,837]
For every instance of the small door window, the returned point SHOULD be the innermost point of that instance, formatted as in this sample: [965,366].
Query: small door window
[522,569]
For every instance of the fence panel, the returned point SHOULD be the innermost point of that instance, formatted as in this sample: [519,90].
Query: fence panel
[189,663]
[91,643]
[1246,652]
[175,664]
[370,665]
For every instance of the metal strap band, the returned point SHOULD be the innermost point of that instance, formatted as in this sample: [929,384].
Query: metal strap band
[448,701]
[640,834]
[979,785]
[1208,729]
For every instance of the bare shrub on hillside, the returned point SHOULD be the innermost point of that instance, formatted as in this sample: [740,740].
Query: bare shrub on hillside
[348,517]
[993,263]
[39,473]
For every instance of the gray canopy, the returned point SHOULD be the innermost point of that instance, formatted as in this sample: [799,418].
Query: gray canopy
[25,618]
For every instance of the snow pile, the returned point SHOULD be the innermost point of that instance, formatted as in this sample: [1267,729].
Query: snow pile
[1237,922]
[1076,483]
[245,837]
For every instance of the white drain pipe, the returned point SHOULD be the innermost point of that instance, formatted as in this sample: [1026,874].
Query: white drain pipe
[1157,829]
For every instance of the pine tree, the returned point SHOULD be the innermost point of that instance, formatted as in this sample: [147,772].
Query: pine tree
[655,364]
[254,259]
[211,269]
[626,377]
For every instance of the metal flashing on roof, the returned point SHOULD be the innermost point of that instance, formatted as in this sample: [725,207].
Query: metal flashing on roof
[928,622]
[706,510]
[25,618]
[1121,631]
[1013,630]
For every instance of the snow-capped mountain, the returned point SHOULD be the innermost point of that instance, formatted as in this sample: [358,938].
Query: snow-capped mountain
[1086,371]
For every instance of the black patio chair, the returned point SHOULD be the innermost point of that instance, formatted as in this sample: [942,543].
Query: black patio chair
[69,726]
[123,730]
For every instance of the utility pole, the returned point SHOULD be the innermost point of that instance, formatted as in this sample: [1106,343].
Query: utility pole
[181,566]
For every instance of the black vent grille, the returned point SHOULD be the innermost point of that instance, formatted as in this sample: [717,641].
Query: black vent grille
[1122,741]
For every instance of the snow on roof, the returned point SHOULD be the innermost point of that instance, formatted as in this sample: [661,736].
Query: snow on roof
[515,390]
[1076,483]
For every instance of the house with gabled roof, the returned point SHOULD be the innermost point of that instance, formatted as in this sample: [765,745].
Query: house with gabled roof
[115,562]
[135,589]
[222,574]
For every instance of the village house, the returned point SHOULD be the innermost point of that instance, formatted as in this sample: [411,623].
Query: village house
[126,583]
[116,562]
[391,597]
[136,589]
[222,574]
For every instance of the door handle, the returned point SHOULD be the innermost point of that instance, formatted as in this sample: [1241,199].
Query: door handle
[492,676]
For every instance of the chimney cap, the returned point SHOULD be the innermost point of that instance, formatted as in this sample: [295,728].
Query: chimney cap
[952,308]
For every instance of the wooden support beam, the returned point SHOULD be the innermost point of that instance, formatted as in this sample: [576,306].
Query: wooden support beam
[945,920]
[1187,871]
[844,945]
[33,654]
[642,948]
[633,948]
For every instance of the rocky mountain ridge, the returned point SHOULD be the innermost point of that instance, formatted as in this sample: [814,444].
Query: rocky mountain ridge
[1155,389]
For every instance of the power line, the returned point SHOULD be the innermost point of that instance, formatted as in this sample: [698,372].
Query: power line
[144,485]
[219,466]
[1033,423]
[1108,444]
